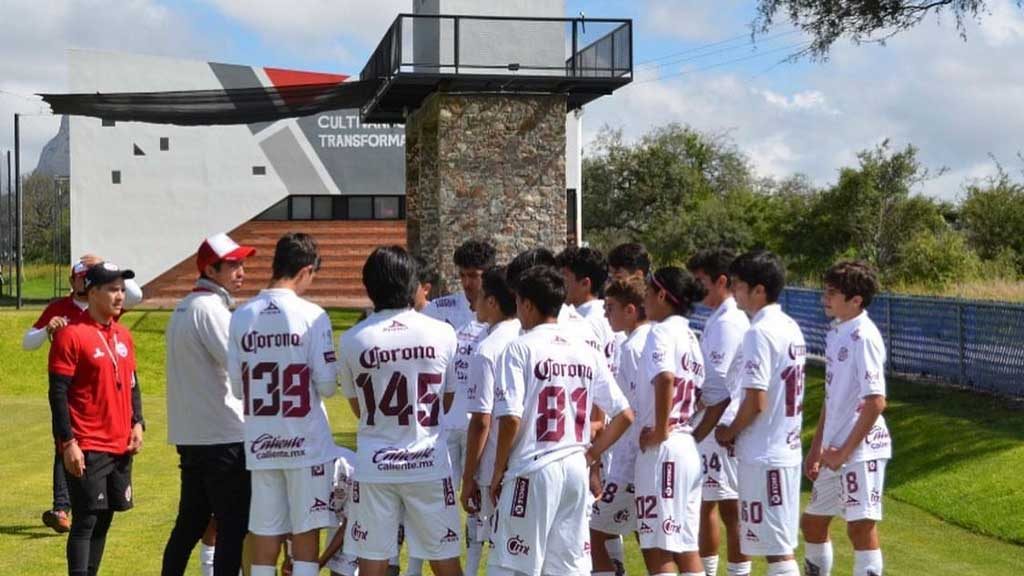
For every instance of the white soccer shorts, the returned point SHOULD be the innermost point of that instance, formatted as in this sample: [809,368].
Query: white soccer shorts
[541,525]
[718,471]
[668,495]
[291,501]
[854,492]
[613,511]
[428,510]
[769,509]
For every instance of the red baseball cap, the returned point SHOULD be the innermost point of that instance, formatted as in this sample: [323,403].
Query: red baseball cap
[220,247]
[79,269]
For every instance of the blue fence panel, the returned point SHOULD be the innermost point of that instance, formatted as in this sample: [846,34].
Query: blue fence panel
[993,349]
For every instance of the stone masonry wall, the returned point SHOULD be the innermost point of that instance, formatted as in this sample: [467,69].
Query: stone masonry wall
[488,166]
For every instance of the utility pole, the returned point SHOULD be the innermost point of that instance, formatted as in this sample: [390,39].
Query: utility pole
[17,196]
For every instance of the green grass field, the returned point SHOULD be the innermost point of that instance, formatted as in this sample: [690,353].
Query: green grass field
[953,506]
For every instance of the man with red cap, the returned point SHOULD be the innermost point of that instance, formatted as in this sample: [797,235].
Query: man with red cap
[204,419]
[96,407]
[58,314]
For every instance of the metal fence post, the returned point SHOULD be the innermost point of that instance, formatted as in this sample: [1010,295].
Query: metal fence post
[888,335]
[960,340]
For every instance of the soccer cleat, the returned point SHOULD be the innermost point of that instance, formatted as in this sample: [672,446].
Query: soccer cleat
[620,568]
[57,520]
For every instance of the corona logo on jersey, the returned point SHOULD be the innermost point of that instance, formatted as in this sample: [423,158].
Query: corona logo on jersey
[797,351]
[692,365]
[253,341]
[516,546]
[376,356]
[547,369]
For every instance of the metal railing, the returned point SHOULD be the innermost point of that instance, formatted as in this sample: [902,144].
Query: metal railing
[502,45]
[975,344]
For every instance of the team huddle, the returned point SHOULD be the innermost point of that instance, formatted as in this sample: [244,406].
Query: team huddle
[563,401]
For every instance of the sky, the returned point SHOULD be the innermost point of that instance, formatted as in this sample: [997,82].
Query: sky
[958,101]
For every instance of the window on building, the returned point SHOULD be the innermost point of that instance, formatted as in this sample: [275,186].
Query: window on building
[336,208]
[165,144]
[259,170]
[115,177]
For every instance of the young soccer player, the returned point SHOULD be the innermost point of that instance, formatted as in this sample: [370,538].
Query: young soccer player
[496,307]
[586,271]
[720,344]
[96,406]
[472,258]
[547,383]
[668,467]
[629,259]
[851,445]
[766,428]
[282,363]
[395,371]
[613,515]
[426,276]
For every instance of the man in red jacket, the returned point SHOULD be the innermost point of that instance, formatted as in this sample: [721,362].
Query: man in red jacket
[96,407]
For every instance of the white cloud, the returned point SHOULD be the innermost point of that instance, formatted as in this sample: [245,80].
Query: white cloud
[695,20]
[956,101]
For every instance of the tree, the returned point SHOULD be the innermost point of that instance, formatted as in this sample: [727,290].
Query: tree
[992,217]
[826,21]
[41,222]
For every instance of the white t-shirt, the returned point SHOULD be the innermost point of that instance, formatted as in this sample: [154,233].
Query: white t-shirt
[855,368]
[468,337]
[483,368]
[201,410]
[551,382]
[593,312]
[397,364]
[721,344]
[579,328]
[344,475]
[773,360]
[453,309]
[624,451]
[671,347]
[281,361]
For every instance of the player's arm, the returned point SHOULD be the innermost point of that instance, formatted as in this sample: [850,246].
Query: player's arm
[812,463]
[62,361]
[35,337]
[334,545]
[212,325]
[509,387]
[132,294]
[508,428]
[45,326]
[609,397]
[323,362]
[712,416]
[476,438]
[234,362]
[664,390]
[138,422]
[755,378]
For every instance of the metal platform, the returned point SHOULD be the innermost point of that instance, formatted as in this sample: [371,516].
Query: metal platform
[422,54]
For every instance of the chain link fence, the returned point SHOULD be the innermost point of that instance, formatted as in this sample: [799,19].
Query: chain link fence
[971,343]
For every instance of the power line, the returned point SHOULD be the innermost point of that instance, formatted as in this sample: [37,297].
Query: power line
[798,46]
[699,48]
[719,51]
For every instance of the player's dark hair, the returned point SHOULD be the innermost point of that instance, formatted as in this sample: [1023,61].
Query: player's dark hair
[585,262]
[475,254]
[761,267]
[681,288]
[495,285]
[389,276]
[631,256]
[526,260]
[714,262]
[544,287]
[628,291]
[425,273]
[853,278]
[294,251]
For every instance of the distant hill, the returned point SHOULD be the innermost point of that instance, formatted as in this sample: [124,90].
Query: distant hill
[55,158]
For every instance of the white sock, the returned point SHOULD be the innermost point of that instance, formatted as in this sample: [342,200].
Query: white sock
[602,574]
[818,559]
[474,550]
[614,548]
[262,570]
[710,564]
[300,568]
[394,561]
[415,567]
[784,568]
[206,559]
[692,573]
[664,574]
[867,563]
[740,568]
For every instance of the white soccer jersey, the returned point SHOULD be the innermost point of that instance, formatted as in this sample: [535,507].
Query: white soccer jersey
[624,450]
[453,309]
[609,340]
[551,382]
[344,475]
[396,363]
[468,337]
[281,361]
[483,368]
[855,368]
[721,344]
[773,360]
[671,347]
[579,328]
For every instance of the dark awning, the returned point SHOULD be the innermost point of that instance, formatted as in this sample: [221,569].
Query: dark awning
[215,107]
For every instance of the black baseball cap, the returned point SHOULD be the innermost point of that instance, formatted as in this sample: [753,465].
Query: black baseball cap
[105,273]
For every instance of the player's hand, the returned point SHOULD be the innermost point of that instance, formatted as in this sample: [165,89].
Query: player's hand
[74,460]
[650,439]
[812,466]
[832,458]
[286,566]
[470,495]
[596,486]
[135,440]
[724,436]
[56,323]
[495,492]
